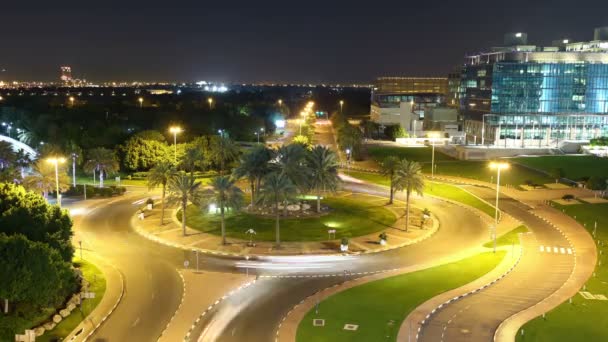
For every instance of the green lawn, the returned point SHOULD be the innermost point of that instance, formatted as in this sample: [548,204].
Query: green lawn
[447,191]
[448,166]
[350,216]
[98,285]
[508,239]
[379,307]
[583,320]
[575,167]
[419,154]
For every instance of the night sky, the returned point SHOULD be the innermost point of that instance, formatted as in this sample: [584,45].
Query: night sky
[287,41]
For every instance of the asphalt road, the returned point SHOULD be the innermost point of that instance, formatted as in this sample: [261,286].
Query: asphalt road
[539,274]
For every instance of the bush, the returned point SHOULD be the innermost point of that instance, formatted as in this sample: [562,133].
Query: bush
[93,191]
[568,197]
[383,236]
[344,241]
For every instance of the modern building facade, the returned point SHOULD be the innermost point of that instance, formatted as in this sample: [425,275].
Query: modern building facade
[524,95]
[405,100]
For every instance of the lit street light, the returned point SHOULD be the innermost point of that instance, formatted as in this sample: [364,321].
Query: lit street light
[210,101]
[258,135]
[498,166]
[341,105]
[433,136]
[141,102]
[72,101]
[300,122]
[175,130]
[56,161]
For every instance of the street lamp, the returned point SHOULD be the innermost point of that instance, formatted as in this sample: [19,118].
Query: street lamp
[341,105]
[175,130]
[433,136]
[55,161]
[258,135]
[280,102]
[300,122]
[498,166]
[210,101]
[72,101]
[141,102]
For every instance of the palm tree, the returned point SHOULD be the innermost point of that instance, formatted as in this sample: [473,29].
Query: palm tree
[102,160]
[254,166]
[226,194]
[23,160]
[323,165]
[183,188]
[409,178]
[43,181]
[290,162]
[222,151]
[7,155]
[388,168]
[160,175]
[193,157]
[276,188]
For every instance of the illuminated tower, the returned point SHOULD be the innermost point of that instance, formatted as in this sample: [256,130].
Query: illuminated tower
[66,74]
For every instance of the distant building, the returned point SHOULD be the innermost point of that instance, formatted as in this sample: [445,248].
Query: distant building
[524,95]
[66,74]
[405,100]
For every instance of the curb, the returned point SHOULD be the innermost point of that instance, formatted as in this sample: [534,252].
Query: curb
[181,302]
[210,307]
[440,306]
[122,292]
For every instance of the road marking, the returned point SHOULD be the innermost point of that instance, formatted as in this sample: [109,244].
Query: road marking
[135,323]
[542,248]
[562,250]
[569,250]
[554,249]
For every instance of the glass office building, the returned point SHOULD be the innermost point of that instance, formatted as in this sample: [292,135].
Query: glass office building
[536,95]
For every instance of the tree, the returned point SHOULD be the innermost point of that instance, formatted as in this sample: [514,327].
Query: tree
[103,161]
[151,135]
[301,140]
[7,155]
[323,165]
[226,194]
[277,188]
[596,183]
[254,166]
[290,161]
[557,174]
[222,150]
[43,180]
[160,175]
[27,213]
[23,161]
[388,168]
[141,154]
[350,137]
[33,272]
[409,178]
[183,188]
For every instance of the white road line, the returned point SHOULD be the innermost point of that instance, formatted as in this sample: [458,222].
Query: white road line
[562,250]
[542,248]
[135,323]
[569,250]
[555,250]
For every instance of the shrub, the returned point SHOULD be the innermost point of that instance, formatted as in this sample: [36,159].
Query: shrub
[344,241]
[568,197]
[383,236]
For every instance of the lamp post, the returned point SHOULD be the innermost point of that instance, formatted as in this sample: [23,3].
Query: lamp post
[498,166]
[55,161]
[74,156]
[300,122]
[341,106]
[348,160]
[72,101]
[433,136]
[258,135]
[141,102]
[210,101]
[175,130]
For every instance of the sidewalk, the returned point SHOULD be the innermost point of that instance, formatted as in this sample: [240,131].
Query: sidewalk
[171,234]
[201,290]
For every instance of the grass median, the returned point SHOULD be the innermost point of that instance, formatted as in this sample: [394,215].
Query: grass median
[97,284]
[443,190]
[350,216]
[583,319]
[379,307]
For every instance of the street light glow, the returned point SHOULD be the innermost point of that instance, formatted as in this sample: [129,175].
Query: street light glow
[499,165]
[56,160]
[175,129]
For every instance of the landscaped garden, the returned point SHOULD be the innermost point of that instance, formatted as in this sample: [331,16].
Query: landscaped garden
[574,167]
[583,319]
[97,285]
[379,307]
[350,216]
[443,190]
[447,166]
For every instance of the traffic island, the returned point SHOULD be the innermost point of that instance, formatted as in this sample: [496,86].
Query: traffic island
[354,221]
